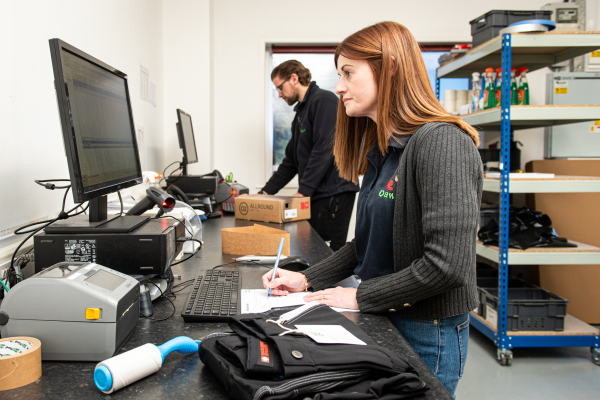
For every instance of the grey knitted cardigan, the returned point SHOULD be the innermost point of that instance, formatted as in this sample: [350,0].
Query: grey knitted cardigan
[437,197]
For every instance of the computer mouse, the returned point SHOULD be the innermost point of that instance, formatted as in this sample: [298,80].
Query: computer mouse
[295,264]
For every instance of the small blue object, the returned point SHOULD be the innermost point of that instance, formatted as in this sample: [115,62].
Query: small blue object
[203,217]
[279,250]
[550,24]
[181,344]
[103,378]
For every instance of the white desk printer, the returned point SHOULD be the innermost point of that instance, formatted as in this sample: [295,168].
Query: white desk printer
[79,311]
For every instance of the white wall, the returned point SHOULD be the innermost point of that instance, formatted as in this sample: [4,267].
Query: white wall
[124,34]
[186,61]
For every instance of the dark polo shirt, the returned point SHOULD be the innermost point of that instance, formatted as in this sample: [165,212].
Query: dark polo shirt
[375,211]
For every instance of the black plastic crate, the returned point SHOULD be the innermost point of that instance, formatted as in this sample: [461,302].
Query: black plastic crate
[488,25]
[529,309]
[491,282]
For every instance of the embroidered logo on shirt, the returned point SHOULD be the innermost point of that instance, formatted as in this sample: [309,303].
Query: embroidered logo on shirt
[303,130]
[390,187]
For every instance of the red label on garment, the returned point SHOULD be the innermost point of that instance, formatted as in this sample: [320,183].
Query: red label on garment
[264,352]
[305,205]
[390,185]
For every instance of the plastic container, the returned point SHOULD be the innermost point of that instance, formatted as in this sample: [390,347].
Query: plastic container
[488,25]
[528,309]
[486,283]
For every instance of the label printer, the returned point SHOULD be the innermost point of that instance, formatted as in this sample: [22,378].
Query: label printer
[79,311]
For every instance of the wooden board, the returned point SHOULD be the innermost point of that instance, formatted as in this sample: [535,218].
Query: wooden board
[556,178]
[581,248]
[573,327]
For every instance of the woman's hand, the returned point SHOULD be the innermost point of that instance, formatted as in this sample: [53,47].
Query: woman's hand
[284,283]
[339,297]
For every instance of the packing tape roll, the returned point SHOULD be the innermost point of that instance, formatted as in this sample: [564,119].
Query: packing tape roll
[24,365]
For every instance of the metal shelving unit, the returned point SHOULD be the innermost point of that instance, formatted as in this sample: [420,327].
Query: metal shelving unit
[533,51]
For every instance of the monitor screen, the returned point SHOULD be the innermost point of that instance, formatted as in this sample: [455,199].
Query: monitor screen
[187,136]
[101,149]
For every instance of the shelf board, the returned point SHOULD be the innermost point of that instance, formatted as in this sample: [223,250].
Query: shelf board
[527,117]
[558,184]
[573,327]
[531,50]
[580,255]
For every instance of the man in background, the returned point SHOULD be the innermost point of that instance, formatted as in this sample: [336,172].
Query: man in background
[309,153]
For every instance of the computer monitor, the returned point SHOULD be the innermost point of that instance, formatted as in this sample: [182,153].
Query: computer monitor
[185,133]
[97,125]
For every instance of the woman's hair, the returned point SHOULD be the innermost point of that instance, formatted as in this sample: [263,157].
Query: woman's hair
[287,68]
[405,99]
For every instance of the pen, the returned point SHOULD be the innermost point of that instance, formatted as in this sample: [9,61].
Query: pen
[276,264]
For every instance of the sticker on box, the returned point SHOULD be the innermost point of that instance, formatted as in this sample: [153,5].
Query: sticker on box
[293,213]
[491,316]
[561,87]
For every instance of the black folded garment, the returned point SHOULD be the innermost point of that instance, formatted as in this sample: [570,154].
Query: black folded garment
[526,229]
[254,362]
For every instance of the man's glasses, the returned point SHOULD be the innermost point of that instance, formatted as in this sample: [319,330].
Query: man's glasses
[280,87]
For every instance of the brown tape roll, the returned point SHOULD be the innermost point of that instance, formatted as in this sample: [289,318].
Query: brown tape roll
[22,368]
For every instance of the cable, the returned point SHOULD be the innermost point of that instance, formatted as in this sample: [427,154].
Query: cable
[162,294]
[52,186]
[121,201]
[165,170]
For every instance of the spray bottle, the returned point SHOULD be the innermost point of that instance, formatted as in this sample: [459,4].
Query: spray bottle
[523,97]
[498,85]
[513,87]
[490,90]
[476,92]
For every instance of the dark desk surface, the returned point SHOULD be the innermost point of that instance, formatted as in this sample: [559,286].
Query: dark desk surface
[184,376]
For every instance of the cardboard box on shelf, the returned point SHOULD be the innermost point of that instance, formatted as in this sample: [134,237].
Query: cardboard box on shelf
[574,216]
[277,209]
[258,240]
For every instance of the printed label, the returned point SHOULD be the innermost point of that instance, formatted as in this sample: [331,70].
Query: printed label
[595,53]
[80,250]
[561,87]
[491,316]
[264,359]
[330,334]
[306,205]
[595,128]
[292,213]
[12,347]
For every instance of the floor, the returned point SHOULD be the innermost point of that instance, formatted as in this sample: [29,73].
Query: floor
[536,373]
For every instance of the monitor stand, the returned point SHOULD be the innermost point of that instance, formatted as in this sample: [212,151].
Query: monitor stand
[98,221]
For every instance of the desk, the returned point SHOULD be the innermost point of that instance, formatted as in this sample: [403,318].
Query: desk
[183,377]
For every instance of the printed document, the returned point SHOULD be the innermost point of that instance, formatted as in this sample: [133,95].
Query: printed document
[256,301]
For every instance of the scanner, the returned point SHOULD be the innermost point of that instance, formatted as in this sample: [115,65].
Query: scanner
[80,311]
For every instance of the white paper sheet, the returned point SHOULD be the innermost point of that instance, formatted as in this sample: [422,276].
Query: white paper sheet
[256,301]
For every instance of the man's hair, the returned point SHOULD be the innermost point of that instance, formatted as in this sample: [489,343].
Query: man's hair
[286,69]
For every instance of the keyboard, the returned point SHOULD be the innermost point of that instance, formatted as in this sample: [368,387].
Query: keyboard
[215,296]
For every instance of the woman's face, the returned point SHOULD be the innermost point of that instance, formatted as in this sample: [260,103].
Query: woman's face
[357,88]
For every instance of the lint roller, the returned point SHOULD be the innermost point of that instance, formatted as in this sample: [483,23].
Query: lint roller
[122,370]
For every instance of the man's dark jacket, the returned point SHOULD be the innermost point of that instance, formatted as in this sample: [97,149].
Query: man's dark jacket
[309,152]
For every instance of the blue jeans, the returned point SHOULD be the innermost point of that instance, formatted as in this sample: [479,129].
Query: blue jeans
[441,343]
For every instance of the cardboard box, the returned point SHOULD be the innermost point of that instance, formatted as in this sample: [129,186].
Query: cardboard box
[277,209]
[576,217]
[258,240]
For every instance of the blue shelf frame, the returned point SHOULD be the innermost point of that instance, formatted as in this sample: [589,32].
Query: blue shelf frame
[502,337]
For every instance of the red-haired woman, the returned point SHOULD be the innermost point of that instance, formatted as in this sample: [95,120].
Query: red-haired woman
[418,206]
